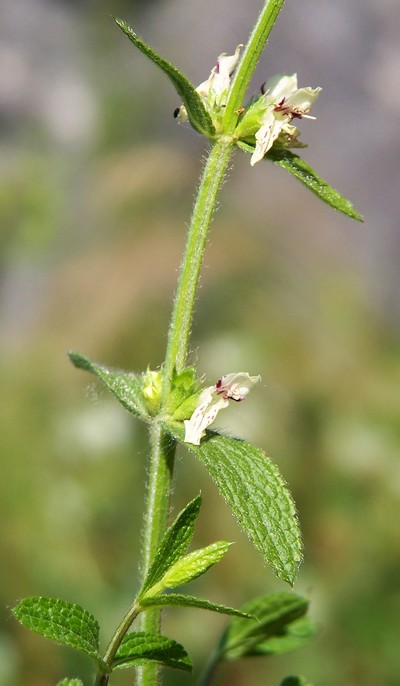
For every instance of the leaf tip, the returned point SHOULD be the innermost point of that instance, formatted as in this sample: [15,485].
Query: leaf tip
[78,360]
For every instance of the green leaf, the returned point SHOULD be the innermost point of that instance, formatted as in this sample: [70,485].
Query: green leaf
[140,648]
[295,681]
[174,544]
[195,564]
[305,174]
[197,113]
[257,495]
[295,635]
[61,621]
[273,630]
[126,387]
[190,601]
[70,682]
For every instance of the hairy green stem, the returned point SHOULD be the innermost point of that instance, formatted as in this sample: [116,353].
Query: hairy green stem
[162,454]
[182,314]
[162,446]
[249,59]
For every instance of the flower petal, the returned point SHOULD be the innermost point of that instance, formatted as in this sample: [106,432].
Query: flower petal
[203,416]
[280,86]
[266,135]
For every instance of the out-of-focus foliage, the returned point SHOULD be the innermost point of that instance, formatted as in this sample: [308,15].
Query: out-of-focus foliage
[96,187]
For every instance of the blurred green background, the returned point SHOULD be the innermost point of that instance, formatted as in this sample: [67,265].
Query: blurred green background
[97,183]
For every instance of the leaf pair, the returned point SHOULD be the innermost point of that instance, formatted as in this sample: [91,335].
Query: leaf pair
[171,567]
[69,624]
[246,478]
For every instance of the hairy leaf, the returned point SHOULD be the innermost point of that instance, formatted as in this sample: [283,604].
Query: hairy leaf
[70,682]
[126,387]
[279,626]
[303,172]
[190,601]
[198,115]
[61,621]
[257,494]
[139,648]
[296,166]
[174,543]
[194,564]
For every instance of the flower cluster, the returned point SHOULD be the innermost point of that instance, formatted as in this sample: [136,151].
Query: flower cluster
[266,120]
[234,386]
[213,92]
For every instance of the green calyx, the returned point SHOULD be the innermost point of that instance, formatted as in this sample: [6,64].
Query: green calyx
[182,398]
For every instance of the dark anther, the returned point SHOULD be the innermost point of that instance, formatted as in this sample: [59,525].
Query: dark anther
[176,112]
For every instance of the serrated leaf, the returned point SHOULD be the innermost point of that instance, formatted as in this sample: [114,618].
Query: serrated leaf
[70,682]
[139,648]
[194,564]
[126,387]
[300,169]
[197,113]
[190,601]
[174,543]
[257,495]
[296,681]
[60,621]
[271,630]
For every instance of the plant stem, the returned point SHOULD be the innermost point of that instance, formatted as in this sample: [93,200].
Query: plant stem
[182,314]
[162,446]
[102,678]
[209,670]
[162,454]
[249,59]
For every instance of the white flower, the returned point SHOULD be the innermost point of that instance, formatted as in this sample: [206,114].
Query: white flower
[213,399]
[284,102]
[214,90]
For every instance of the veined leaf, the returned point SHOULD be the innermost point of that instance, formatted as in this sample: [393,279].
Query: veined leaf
[257,495]
[198,115]
[140,648]
[70,682]
[126,387]
[190,601]
[279,625]
[296,166]
[174,543]
[194,564]
[61,621]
